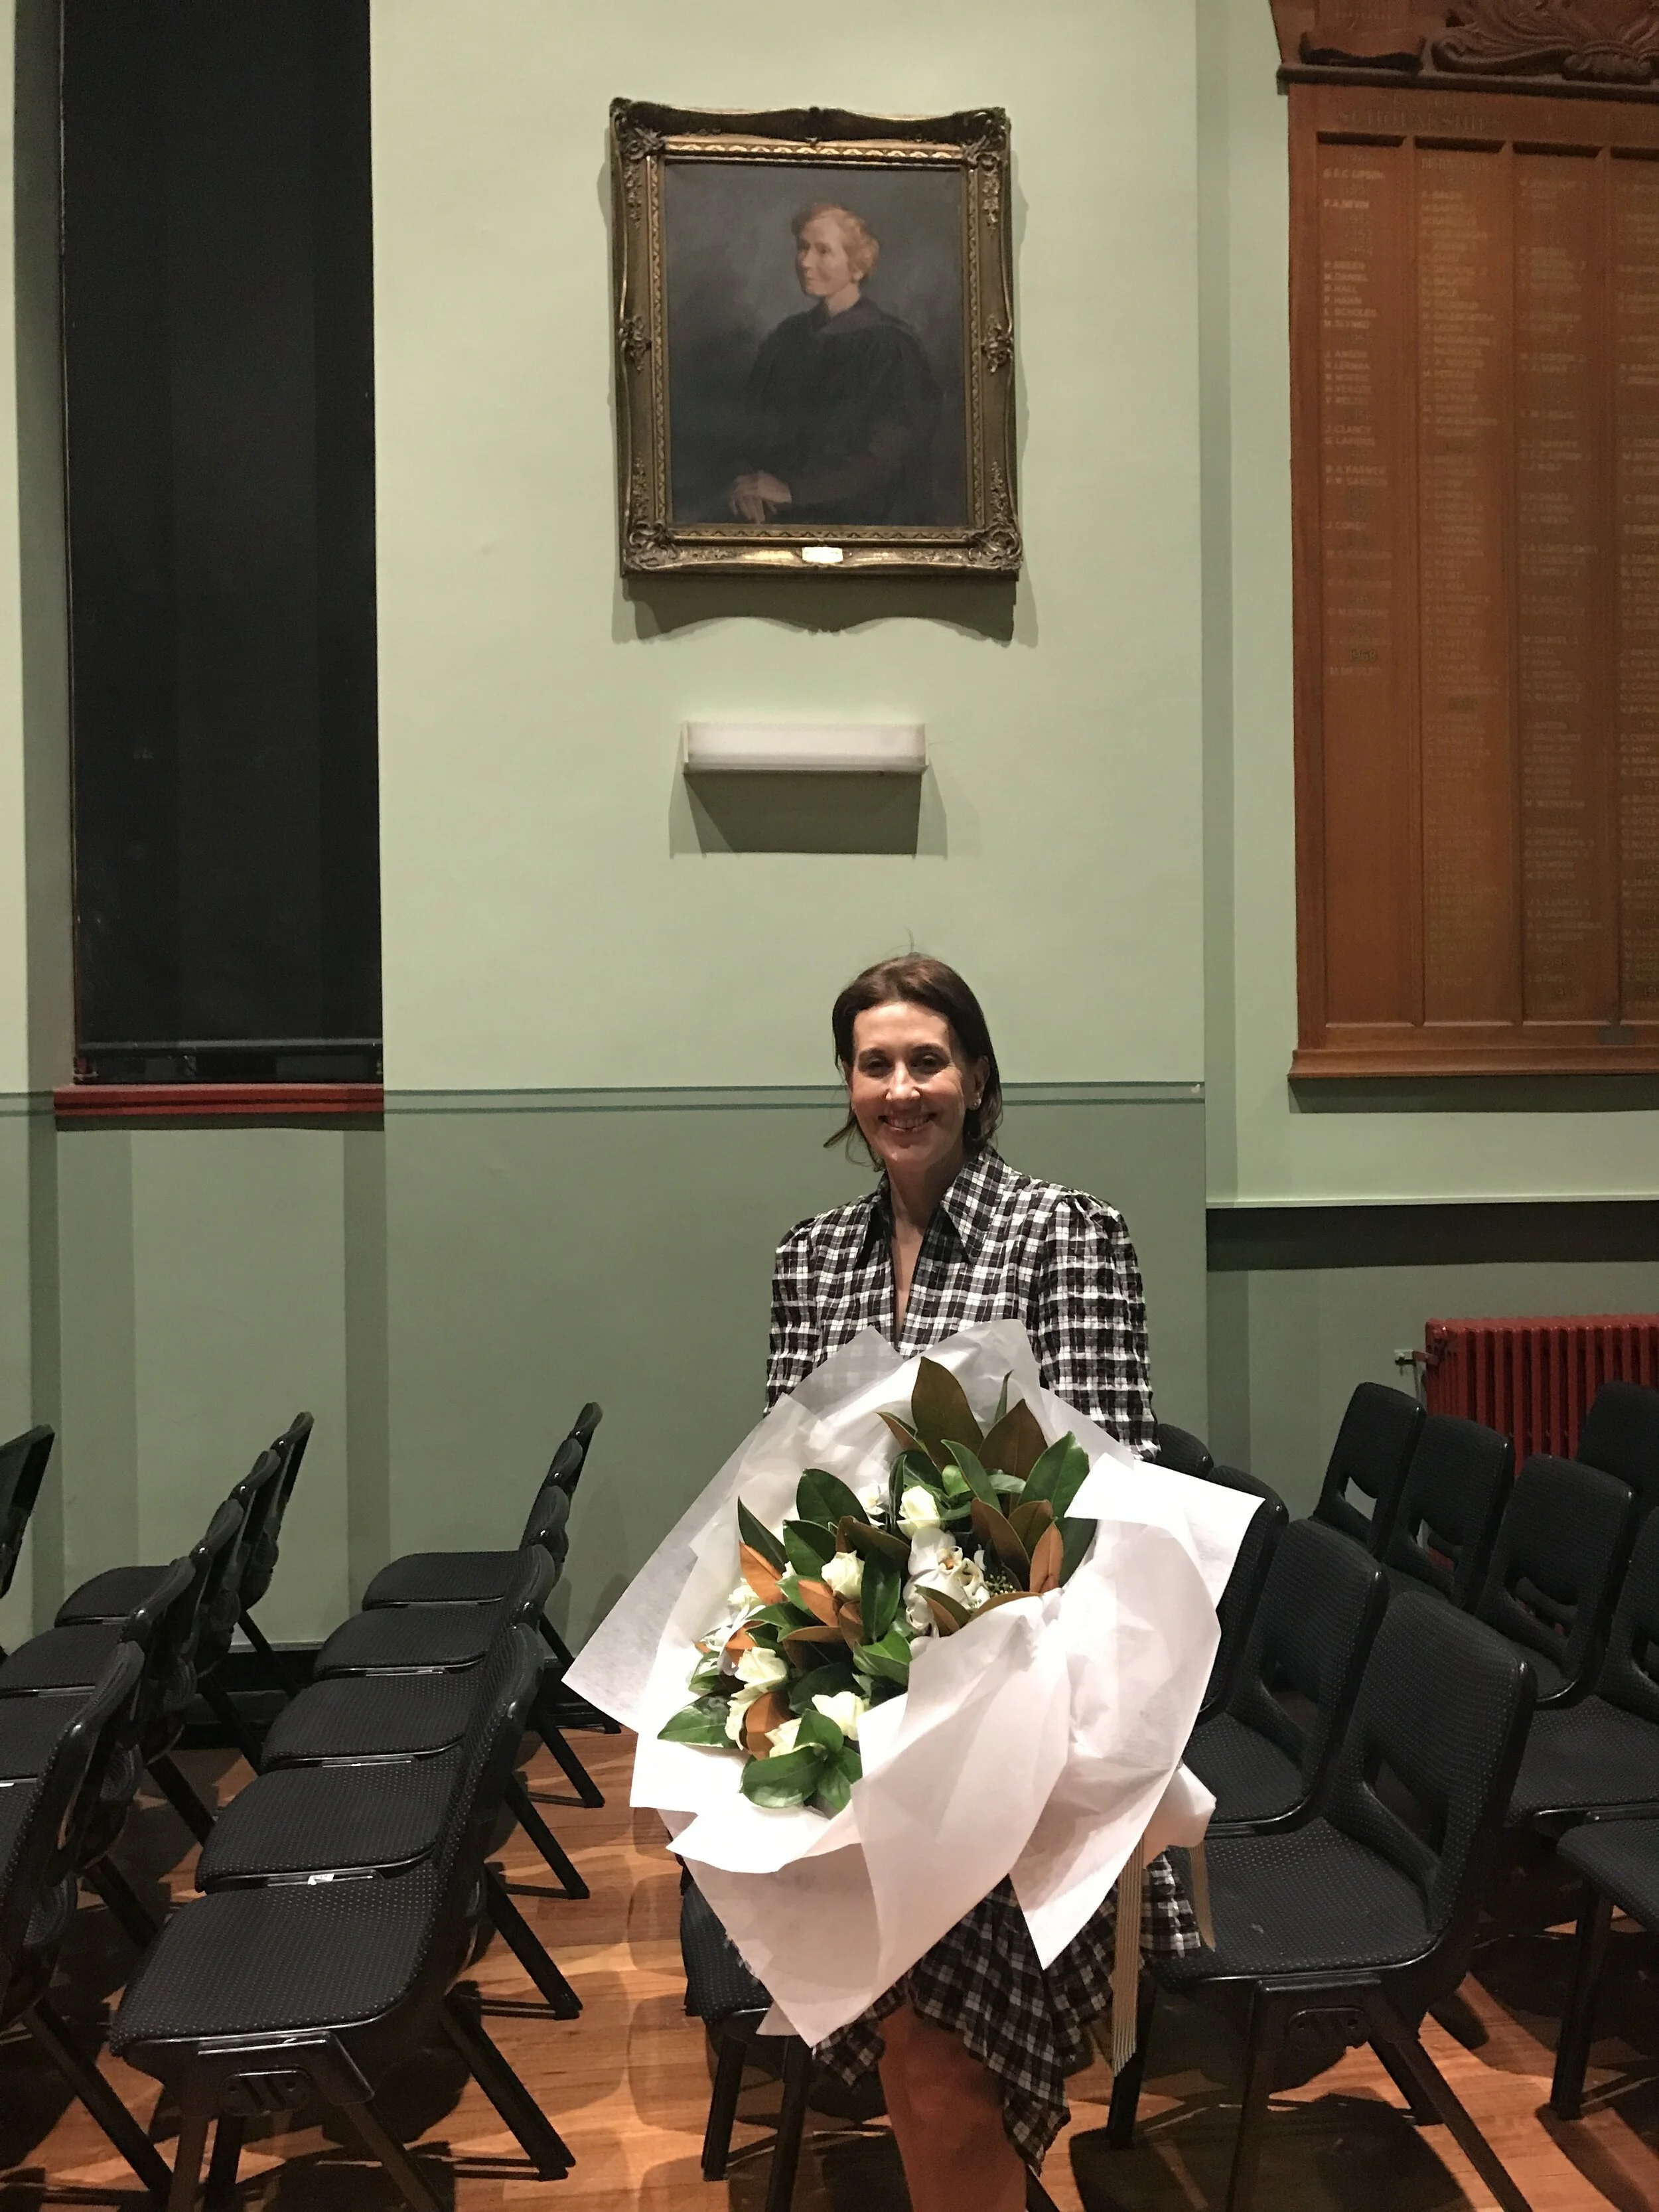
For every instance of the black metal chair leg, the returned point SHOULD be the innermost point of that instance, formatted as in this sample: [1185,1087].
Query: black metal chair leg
[99,2099]
[384,2146]
[1423,2113]
[223,1706]
[194,2121]
[222,2166]
[528,1949]
[1269,2019]
[128,1910]
[791,2124]
[546,1841]
[723,2105]
[540,2141]
[182,1798]
[280,1672]
[1385,2023]
[1125,2086]
[556,1643]
[575,1773]
[1578,2022]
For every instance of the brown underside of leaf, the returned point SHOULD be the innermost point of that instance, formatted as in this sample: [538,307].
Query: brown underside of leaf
[804,1636]
[903,1433]
[994,1529]
[940,1408]
[768,1712]
[850,1621]
[820,1601]
[735,1644]
[874,1543]
[1015,1445]
[761,1574]
[948,1616]
[1046,1559]
[1028,1521]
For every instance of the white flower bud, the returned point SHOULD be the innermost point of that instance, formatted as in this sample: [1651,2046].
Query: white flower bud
[782,1738]
[844,1573]
[760,1668]
[846,1709]
[919,1510]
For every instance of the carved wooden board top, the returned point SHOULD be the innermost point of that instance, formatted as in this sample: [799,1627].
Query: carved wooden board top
[1595,48]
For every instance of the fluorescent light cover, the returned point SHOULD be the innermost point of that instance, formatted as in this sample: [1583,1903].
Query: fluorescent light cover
[805,748]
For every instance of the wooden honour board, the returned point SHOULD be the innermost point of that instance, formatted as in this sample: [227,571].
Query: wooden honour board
[1475,305]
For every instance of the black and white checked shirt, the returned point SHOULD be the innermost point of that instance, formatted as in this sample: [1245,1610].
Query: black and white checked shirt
[1002,1246]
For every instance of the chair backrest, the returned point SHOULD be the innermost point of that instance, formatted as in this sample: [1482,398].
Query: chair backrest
[168,1623]
[547,1524]
[1620,1435]
[1314,1624]
[258,1495]
[1450,1504]
[1427,1764]
[22,1470]
[1181,1449]
[1236,1609]
[262,1562]
[1561,1547]
[63,1800]
[581,1435]
[1372,1449]
[1630,1672]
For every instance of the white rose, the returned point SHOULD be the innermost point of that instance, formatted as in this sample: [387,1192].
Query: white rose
[735,1712]
[760,1668]
[929,1549]
[873,1498]
[918,1511]
[741,1601]
[782,1738]
[844,1572]
[845,1709]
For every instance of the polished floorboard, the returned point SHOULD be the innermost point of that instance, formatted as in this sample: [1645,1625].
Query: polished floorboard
[627,2084]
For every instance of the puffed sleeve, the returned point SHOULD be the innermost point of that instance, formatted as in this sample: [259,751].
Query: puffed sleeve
[794,1348]
[1091,1334]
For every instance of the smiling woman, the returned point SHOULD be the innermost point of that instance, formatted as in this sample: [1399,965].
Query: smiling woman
[975,2042]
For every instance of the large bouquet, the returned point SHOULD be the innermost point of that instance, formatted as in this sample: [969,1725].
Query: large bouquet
[821,1624]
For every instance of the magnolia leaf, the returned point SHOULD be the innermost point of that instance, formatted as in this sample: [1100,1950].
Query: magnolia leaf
[1077,1536]
[808,1546]
[737,1644]
[939,1407]
[967,1464]
[759,1538]
[828,1680]
[788,1777]
[1015,1445]
[948,1615]
[1028,1521]
[880,1593]
[834,1790]
[889,1658]
[850,1621]
[1002,1399]
[706,1673]
[785,1617]
[876,1544]
[760,1575]
[819,1601]
[994,1527]
[956,1484]
[769,1711]
[1048,1558]
[1007,1485]
[817,1727]
[825,1498]
[811,1647]
[1060,1473]
[908,1438]
[1002,1597]
[702,1723]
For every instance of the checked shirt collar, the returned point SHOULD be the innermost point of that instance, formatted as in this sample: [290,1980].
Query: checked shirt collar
[954,1239]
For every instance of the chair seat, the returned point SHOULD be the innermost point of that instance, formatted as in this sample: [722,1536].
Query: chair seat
[1622,1858]
[261,1961]
[443,1578]
[314,1819]
[1593,1753]
[1549,1677]
[1309,1900]
[59,1659]
[31,1729]
[109,1597]
[359,1716]
[407,1637]
[1252,1779]
[718,1983]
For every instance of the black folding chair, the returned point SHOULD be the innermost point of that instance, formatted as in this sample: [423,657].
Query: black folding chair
[1620,1435]
[1181,1449]
[1237,1607]
[1362,1916]
[1371,1453]
[1314,1625]
[1561,1549]
[1450,1504]
[22,1470]
[47,1813]
[1618,1860]
[262,2000]
[1603,1751]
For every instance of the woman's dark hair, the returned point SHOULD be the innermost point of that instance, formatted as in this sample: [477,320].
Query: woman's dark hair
[922,982]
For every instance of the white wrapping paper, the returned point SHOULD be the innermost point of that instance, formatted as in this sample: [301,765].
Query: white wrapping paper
[1043,1742]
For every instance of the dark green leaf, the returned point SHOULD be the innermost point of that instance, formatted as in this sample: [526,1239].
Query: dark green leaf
[702,1723]
[876,1544]
[1029,1520]
[807,1547]
[949,1612]
[879,1594]
[994,1528]
[788,1777]
[825,1498]
[843,1770]
[817,1728]
[889,1658]
[940,1408]
[759,1538]
[905,1434]
[826,1682]
[783,1617]
[1078,1536]
[1059,1474]
[1015,1445]
[707,1671]
[1002,1402]
[967,1464]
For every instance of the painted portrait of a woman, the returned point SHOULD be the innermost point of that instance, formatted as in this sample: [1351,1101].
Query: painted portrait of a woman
[841,408]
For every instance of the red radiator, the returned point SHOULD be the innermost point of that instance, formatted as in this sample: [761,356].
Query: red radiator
[1534,1379]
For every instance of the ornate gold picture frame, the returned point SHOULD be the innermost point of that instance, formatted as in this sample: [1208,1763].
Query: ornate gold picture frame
[815,348]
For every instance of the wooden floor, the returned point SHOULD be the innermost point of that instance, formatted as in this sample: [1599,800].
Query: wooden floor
[628,2084]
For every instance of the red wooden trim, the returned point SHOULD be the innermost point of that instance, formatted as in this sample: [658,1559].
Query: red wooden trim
[216,1102]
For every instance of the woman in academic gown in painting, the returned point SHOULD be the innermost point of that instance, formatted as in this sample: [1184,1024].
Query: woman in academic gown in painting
[842,405]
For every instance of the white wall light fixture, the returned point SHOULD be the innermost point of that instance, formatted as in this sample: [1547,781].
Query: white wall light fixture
[804,748]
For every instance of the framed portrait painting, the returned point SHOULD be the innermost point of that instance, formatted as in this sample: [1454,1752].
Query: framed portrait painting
[814,341]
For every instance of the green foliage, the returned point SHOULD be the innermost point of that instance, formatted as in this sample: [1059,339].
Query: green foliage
[788,1777]
[826,1682]
[879,1594]
[702,1723]
[966,1462]
[1078,1535]
[808,1546]
[939,1407]
[1059,1474]
[824,1498]
[888,1658]
[759,1538]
